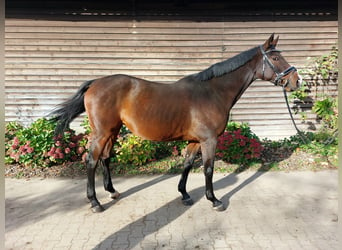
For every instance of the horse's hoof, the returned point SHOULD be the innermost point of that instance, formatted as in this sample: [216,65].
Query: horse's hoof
[114,195]
[187,202]
[218,206]
[97,209]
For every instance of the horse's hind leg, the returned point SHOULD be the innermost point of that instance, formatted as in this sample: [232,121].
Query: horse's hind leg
[191,152]
[107,181]
[91,164]
[94,157]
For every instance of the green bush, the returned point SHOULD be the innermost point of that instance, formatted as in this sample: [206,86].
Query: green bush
[174,148]
[326,110]
[322,143]
[132,149]
[239,145]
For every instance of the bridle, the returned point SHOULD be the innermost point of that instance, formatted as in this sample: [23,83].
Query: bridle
[280,75]
[278,78]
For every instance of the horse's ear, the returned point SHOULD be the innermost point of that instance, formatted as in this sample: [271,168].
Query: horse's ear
[275,42]
[271,42]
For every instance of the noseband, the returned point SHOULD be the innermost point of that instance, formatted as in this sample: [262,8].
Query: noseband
[280,75]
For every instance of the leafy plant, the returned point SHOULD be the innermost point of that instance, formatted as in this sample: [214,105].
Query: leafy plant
[326,110]
[321,71]
[174,148]
[322,143]
[132,149]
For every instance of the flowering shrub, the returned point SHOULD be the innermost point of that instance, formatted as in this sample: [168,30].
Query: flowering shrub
[36,146]
[238,144]
[134,150]
[131,149]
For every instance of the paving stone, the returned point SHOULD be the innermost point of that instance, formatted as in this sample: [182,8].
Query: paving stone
[273,210]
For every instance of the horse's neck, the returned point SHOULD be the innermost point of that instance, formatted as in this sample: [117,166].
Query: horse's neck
[234,84]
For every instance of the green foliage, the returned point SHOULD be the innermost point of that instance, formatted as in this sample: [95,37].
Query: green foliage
[86,126]
[322,70]
[325,67]
[326,110]
[36,146]
[238,144]
[323,143]
[165,149]
[132,149]
[301,93]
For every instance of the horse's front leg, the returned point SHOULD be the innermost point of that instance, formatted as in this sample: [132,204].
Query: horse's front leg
[191,152]
[208,148]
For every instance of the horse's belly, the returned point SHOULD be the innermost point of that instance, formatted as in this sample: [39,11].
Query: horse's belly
[155,128]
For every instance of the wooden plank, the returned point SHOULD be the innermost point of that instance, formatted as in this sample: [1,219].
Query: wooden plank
[46,61]
[160,24]
[100,31]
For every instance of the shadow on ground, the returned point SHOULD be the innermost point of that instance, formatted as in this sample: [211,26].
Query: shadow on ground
[65,197]
[35,206]
[172,210]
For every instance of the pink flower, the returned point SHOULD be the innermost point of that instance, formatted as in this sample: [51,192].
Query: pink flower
[30,150]
[22,149]
[15,156]
[80,150]
[15,143]
[58,156]
[67,150]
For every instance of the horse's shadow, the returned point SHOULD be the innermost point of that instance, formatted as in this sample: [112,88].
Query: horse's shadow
[173,208]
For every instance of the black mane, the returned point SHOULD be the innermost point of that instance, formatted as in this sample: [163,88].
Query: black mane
[224,67]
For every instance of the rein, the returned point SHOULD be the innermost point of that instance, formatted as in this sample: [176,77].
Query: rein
[300,133]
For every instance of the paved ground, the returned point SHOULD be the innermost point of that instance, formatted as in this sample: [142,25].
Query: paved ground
[272,210]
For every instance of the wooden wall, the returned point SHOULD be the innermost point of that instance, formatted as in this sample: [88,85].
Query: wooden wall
[46,61]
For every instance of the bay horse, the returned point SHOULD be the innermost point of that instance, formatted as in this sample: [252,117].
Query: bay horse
[194,109]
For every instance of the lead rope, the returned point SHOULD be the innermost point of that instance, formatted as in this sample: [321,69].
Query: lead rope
[300,133]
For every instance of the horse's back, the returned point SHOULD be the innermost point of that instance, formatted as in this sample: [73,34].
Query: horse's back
[152,110]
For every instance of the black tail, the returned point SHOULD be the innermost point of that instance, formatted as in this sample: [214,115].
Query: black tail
[66,112]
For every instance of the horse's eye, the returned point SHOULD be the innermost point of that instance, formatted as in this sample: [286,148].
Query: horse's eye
[275,58]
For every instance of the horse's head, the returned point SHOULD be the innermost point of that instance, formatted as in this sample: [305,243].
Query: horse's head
[275,68]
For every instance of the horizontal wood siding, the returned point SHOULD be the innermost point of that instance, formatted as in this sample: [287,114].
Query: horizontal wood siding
[46,61]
